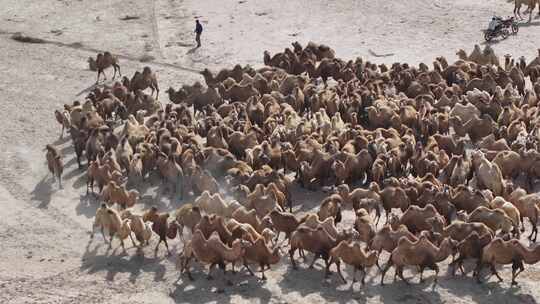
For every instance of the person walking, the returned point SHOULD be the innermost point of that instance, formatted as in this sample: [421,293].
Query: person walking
[198,32]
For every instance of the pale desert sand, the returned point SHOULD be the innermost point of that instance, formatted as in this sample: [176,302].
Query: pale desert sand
[46,255]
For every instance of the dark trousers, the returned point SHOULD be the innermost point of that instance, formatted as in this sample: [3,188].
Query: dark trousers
[198,39]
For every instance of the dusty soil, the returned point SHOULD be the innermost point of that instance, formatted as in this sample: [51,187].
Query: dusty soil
[47,255]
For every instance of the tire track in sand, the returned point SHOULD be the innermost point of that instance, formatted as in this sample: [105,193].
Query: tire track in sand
[79,46]
[155,30]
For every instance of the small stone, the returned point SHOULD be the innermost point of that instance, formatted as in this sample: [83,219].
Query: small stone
[217,290]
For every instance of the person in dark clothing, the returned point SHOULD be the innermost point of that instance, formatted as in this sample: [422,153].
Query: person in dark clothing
[198,32]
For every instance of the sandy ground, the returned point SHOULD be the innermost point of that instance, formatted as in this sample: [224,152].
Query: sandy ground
[46,254]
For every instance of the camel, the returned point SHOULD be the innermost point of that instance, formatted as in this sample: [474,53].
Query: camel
[531,4]
[499,251]
[488,174]
[104,61]
[420,253]
[147,78]
[528,255]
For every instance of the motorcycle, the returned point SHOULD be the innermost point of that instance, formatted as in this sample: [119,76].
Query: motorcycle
[504,29]
[512,24]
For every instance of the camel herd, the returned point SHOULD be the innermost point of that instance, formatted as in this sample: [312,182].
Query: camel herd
[448,155]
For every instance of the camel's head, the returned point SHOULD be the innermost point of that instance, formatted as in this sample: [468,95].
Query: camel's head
[150,215]
[297,47]
[237,68]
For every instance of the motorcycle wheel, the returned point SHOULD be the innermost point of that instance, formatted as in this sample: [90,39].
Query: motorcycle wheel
[515,28]
[505,33]
[488,36]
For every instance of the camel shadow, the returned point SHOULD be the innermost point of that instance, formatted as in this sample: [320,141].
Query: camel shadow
[529,24]
[201,290]
[87,205]
[70,162]
[113,264]
[331,289]
[400,292]
[334,290]
[76,172]
[81,179]
[43,191]
[95,85]
[489,291]
[62,140]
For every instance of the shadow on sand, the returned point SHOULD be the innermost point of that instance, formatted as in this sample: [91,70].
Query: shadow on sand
[115,260]
[199,291]
[43,191]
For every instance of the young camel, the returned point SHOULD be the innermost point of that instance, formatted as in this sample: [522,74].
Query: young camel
[54,162]
[161,227]
[63,119]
